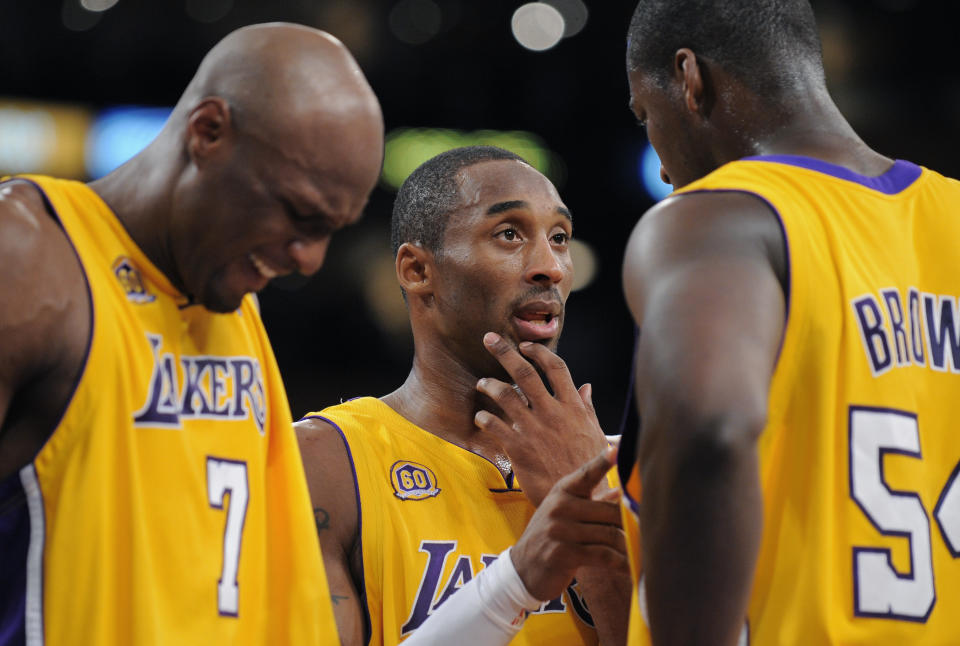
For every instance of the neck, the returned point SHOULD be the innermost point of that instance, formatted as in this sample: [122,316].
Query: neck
[810,124]
[440,397]
[140,194]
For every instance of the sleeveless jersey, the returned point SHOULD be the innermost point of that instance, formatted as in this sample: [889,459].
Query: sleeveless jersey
[169,505]
[432,515]
[860,457]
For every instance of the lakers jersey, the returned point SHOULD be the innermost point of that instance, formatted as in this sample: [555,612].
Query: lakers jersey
[169,505]
[860,458]
[432,516]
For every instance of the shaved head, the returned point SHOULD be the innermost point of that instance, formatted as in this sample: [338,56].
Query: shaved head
[275,144]
[304,74]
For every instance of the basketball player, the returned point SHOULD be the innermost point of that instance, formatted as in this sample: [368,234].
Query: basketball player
[797,365]
[152,490]
[413,501]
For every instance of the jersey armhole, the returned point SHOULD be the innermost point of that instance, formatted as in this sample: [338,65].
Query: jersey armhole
[81,372]
[362,584]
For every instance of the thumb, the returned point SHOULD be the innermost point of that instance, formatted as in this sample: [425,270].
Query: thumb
[581,482]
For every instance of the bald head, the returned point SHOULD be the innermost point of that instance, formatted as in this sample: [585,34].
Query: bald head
[288,83]
[298,70]
[275,144]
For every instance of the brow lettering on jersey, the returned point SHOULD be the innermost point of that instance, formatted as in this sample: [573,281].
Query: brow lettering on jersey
[438,554]
[214,387]
[914,328]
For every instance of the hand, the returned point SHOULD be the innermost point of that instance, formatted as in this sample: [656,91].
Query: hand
[570,530]
[547,436]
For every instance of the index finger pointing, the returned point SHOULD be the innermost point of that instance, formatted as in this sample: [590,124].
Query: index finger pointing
[582,481]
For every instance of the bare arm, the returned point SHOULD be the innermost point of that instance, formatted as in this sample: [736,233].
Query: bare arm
[703,277]
[331,484]
[44,323]
[549,437]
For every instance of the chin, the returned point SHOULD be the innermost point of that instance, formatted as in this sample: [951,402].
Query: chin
[220,303]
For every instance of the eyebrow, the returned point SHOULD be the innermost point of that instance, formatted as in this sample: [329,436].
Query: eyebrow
[509,205]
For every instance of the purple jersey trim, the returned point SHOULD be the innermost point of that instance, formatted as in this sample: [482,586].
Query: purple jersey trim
[368,626]
[898,177]
[14,540]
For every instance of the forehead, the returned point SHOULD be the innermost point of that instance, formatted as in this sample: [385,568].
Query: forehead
[642,89]
[505,180]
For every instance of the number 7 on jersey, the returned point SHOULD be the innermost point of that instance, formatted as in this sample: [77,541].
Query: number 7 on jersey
[223,477]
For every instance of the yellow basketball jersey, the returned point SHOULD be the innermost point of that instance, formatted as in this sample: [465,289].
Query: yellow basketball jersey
[169,506]
[432,515]
[860,457]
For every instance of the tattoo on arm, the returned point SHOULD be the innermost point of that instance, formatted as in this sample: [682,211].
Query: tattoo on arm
[322,519]
[337,598]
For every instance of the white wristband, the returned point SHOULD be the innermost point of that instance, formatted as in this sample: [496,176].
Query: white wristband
[491,608]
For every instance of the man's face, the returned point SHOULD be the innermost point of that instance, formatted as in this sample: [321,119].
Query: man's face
[684,153]
[505,263]
[264,210]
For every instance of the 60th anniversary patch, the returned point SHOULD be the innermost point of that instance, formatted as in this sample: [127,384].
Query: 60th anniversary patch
[412,481]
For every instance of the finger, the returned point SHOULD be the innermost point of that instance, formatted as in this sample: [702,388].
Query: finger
[504,395]
[602,556]
[608,495]
[520,370]
[586,396]
[585,510]
[590,534]
[490,423]
[554,368]
[582,481]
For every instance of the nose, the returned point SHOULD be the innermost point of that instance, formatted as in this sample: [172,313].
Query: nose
[664,176]
[545,264]
[309,254]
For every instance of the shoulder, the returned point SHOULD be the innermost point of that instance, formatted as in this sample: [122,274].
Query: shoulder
[24,221]
[44,288]
[700,225]
[321,442]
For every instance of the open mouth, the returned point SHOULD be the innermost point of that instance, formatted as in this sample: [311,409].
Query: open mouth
[537,324]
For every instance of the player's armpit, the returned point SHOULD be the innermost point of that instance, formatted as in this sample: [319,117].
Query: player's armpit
[44,323]
[332,492]
[703,277]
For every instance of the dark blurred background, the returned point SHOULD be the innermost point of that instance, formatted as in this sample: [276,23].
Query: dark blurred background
[447,72]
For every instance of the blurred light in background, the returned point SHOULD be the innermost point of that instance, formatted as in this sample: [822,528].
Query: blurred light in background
[208,11]
[381,290]
[574,14]
[415,21]
[585,263]
[97,5]
[407,148]
[537,26]
[77,18]
[42,138]
[120,133]
[648,168]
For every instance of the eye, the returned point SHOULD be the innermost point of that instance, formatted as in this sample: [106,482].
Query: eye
[509,234]
[560,238]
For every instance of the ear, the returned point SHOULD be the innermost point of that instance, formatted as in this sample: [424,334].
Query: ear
[688,70]
[415,270]
[208,125]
